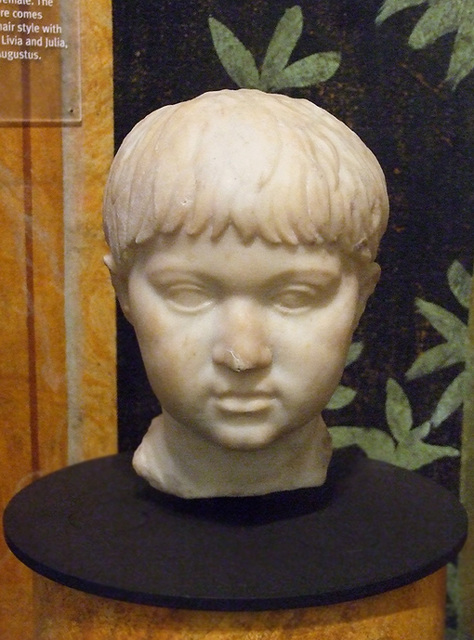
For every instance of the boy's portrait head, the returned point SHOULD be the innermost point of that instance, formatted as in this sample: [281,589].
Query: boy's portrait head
[243,229]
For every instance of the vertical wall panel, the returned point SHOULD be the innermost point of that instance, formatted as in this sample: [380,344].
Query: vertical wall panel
[57,343]
[466,563]
[15,438]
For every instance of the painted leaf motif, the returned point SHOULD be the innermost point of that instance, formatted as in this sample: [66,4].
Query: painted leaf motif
[437,358]
[284,40]
[422,454]
[448,325]
[355,350]
[379,446]
[390,7]
[345,395]
[462,59]
[452,328]
[451,400]
[241,66]
[406,448]
[376,443]
[441,18]
[307,71]
[410,452]
[416,434]
[460,283]
[341,397]
[398,411]
[235,58]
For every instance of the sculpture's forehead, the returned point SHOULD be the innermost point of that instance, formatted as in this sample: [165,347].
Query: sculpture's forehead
[242,263]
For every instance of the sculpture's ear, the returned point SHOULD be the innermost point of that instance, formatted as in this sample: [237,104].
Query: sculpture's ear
[120,284]
[368,278]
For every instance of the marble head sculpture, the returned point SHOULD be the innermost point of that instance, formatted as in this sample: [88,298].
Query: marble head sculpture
[243,229]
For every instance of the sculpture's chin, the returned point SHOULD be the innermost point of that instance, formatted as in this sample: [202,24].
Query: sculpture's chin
[243,463]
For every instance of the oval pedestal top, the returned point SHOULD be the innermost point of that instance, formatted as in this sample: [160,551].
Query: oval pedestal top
[98,527]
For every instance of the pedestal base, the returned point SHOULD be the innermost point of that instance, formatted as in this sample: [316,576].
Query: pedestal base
[413,612]
[371,528]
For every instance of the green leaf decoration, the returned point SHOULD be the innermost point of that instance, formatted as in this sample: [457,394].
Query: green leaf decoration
[309,71]
[235,58]
[345,395]
[449,353]
[416,457]
[417,433]
[405,446]
[376,443]
[355,350]
[274,74]
[448,325]
[437,358]
[379,446]
[441,17]
[451,400]
[451,328]
[390,7]
[284,40]
[460,283]
[462,59]
[341,397]
[398,411]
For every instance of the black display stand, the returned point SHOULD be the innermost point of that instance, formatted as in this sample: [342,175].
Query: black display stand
[99,528]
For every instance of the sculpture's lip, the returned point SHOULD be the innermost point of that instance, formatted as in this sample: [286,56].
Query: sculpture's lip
[243,391]
[243,402]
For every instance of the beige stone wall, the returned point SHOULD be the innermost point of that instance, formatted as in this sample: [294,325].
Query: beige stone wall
[57,343]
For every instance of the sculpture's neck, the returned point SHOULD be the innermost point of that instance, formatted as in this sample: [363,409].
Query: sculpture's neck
[179,461]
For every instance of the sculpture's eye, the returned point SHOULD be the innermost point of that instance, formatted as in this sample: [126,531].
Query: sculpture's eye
[187,296]
[299,298]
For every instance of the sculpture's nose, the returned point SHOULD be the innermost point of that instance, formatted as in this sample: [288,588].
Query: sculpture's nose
[241,343]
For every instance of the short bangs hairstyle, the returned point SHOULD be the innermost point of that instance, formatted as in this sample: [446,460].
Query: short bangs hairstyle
[273,167]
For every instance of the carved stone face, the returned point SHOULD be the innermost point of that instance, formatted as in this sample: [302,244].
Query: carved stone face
[243,343]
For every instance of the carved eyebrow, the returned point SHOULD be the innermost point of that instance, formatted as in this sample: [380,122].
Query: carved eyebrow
[317,276]
[324,276]
[170,275]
